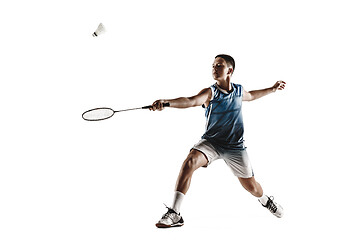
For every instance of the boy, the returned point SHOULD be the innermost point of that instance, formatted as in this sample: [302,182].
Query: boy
[223,138]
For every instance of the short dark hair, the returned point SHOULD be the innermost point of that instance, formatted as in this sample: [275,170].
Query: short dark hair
[228,59]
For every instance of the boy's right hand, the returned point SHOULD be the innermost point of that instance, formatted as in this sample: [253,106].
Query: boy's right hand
[158,105]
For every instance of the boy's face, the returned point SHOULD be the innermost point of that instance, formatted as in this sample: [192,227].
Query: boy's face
[220,69]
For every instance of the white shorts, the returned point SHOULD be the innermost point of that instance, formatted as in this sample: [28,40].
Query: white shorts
[236,159]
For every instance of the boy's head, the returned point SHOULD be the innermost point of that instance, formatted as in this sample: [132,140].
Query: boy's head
[223,66]
[228,59]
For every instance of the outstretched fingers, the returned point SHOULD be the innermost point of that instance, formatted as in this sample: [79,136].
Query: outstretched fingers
[280,85]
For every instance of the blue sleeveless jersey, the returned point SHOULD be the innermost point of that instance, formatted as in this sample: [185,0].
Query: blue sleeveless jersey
[224,122]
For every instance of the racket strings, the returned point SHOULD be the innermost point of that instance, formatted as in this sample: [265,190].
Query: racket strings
[98,114]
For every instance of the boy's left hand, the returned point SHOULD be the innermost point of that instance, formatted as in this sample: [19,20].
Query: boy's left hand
[279,85]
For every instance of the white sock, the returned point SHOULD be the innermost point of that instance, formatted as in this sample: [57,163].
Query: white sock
[263,199]
[178,198]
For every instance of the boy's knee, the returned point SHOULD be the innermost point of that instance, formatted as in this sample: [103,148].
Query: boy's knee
[190,163]
[193,161]
[251,188]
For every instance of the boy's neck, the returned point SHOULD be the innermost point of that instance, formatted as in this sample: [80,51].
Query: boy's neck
[225,85]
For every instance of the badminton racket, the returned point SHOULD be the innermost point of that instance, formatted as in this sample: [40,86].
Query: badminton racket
[103,113]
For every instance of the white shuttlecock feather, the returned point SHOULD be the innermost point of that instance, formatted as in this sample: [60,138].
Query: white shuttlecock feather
[100,30]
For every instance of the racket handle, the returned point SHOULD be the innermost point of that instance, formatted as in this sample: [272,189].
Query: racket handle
[150,106]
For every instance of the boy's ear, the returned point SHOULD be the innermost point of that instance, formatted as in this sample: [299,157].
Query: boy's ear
[231,70]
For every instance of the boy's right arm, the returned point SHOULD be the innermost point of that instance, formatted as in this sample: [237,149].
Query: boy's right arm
[203,97]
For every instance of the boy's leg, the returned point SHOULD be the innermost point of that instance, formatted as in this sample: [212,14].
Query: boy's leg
[252,186]
[194,160]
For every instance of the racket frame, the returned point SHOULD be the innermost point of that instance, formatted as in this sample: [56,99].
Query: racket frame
[113,111]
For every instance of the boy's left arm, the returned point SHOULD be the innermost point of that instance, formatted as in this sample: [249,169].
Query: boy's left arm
[255,94]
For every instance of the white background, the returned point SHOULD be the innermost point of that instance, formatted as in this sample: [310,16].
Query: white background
[64,178]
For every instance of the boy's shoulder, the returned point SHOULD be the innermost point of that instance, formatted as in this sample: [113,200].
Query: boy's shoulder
[238,87]
[237,84]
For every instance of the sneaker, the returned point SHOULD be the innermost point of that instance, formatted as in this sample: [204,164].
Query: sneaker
[274,207]
[170,219]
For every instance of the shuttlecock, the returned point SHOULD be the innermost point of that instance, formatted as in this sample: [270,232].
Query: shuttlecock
[100,30]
